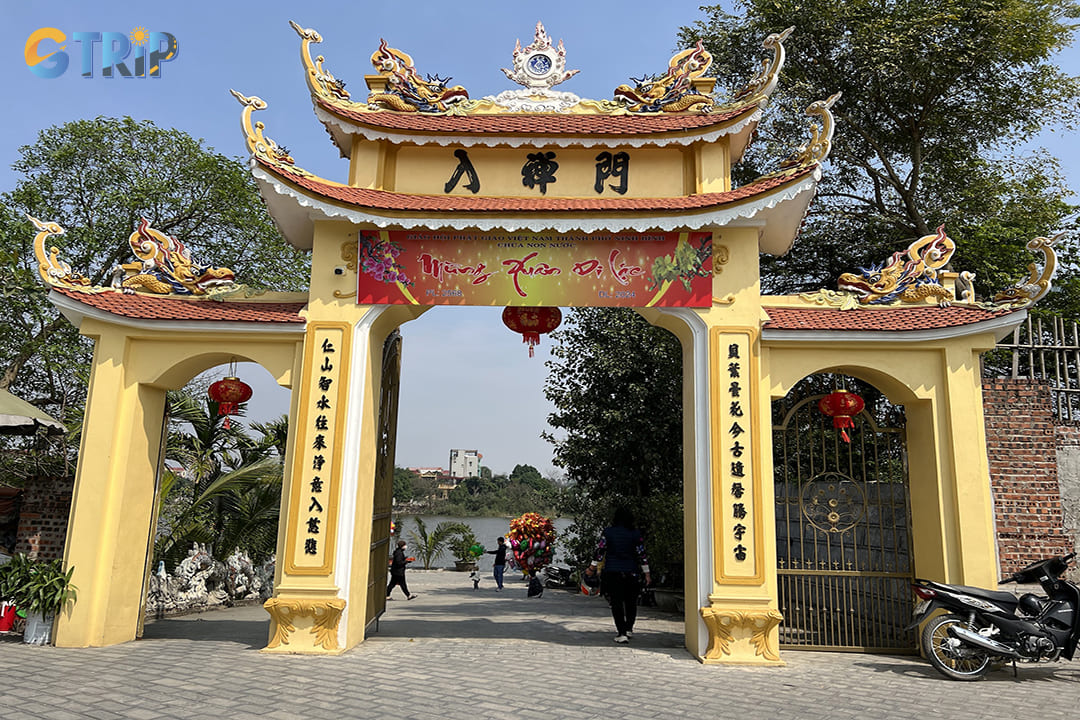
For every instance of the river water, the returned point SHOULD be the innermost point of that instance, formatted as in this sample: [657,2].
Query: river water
[486,529]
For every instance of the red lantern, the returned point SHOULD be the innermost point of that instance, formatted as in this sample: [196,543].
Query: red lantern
[531,322]
[841,406]
[228,394]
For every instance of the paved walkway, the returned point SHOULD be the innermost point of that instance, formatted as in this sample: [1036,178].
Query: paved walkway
[459,654]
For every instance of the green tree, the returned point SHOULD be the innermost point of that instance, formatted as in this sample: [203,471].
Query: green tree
[220,487]
[938,101]
[616,384]
[405,483]
[97,178]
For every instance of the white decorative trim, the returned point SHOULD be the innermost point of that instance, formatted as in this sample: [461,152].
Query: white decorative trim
[534,140]
[689,220]
[1000,326]
[350,465]
[76,312]
[703,471]
[534,100]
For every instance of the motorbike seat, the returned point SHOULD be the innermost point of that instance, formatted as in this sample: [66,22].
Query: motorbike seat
[1001,597]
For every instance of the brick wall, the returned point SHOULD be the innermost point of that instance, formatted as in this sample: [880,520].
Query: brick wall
[43,518]
[1022,447]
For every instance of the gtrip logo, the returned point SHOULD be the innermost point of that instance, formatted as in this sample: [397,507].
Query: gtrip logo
[147,51]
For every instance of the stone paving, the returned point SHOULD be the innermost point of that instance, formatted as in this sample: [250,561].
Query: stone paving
[459,654]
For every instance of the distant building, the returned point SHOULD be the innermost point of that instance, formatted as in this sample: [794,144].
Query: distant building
[464,463]
[440,479]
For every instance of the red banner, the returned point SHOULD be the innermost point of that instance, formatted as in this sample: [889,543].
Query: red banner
[603,270]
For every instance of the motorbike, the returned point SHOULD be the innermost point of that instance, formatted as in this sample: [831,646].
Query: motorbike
[557,576]
[983,629]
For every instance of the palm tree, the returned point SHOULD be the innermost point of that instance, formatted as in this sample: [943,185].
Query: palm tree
[428,546]
[220,486]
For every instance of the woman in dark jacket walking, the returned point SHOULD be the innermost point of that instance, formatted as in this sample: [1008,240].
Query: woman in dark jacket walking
[622,548]
[397,571]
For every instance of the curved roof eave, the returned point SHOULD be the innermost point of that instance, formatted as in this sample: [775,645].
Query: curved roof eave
[77,311]
[342,130]
[779,212]
[1000,325]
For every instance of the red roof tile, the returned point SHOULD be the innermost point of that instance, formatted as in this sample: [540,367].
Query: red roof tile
[539,123]
[384,200]
[897,319]
[151,307]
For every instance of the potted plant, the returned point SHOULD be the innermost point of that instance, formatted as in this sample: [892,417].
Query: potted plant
[466,548]
[429,544]
[44,591]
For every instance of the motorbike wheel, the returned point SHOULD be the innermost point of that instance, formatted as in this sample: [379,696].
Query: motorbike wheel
[949,656]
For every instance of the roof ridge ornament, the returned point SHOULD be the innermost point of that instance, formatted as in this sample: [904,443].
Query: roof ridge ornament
[1038,284]
[910,276]
[260,146]
[164,266]
[764,82]
[540,65]
[320,81]
[677,90]
[405,91]
[51,268]
[815,150]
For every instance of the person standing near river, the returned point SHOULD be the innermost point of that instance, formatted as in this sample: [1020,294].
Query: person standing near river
[499,567]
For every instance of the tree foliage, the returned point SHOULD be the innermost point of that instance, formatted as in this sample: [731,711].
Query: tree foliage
[616,384]
[97,178]
[938,103]
[220,487]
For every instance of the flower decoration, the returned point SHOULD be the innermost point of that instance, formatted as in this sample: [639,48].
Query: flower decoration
[379,260]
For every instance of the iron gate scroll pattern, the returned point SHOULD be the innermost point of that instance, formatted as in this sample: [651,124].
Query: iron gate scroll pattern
[843,534]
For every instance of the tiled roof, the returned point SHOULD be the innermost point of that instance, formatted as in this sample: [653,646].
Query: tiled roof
[538,124]
[897,319]
[384,200]
[152,307]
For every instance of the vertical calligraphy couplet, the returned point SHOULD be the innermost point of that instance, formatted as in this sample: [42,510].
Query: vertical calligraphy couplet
[314,483]
[736,451]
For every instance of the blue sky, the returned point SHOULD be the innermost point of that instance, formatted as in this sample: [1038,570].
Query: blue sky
[467,381]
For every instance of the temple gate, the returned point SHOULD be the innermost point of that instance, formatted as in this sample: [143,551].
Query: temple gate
[843,526]
[534,197]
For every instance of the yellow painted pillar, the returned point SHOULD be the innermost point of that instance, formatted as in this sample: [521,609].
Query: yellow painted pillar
[320,592]
[966,474]
[108,531]
[742,614]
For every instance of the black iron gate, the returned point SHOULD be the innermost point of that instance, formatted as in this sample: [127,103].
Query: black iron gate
[843,530]
[384,480]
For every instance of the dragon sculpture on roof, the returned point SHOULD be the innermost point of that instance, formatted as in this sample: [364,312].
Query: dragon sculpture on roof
[1038,283]
[673,91]
[405,90]
[51,268]
[165,267]
[909,276]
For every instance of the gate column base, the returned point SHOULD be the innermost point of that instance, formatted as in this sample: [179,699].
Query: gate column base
[304,625]
[742,635]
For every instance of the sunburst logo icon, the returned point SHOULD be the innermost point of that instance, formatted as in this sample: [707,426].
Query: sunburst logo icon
[139,36]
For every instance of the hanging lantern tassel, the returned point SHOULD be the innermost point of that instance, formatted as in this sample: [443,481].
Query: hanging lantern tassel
[842,406]
[229,393]
[531,322]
